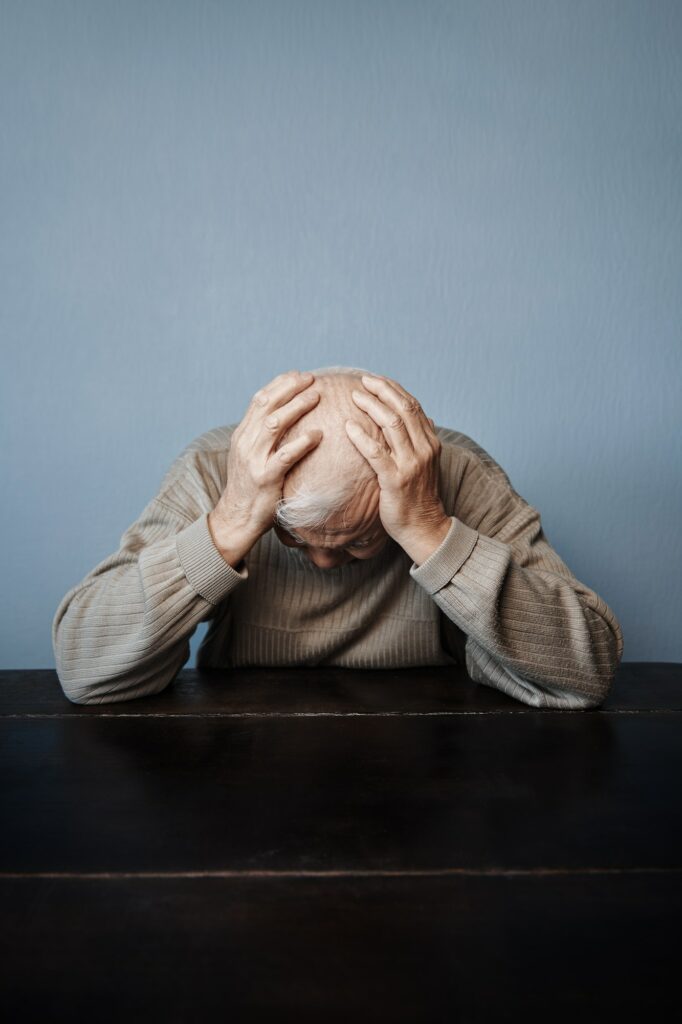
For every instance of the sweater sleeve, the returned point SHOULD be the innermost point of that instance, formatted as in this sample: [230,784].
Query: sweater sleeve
[533,630]
[124,630]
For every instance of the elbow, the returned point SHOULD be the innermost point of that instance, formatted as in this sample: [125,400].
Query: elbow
[607,653]
[90,692]
[80,680]
[90,683]
[585,702]
[79,696]
[112,691]
[91,676]
[607,668]
[594,694]
[602,686]
[108,690]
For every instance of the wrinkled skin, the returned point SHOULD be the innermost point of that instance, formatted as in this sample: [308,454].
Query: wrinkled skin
[369,430]
[376,433]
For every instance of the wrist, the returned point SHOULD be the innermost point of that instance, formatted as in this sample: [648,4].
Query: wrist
[232,541]
[421,544]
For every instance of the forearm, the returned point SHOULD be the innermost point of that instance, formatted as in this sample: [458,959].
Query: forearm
[541,624]
[232,540]
[124,631]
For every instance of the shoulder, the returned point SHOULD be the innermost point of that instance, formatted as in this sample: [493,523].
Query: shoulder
[460,450]
[197,476]
[476,488]
[217,439]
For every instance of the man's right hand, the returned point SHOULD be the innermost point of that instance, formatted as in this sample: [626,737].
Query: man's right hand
[255,470]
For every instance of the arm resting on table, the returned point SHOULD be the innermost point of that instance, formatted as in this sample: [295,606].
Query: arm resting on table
[123,632]
[533,630]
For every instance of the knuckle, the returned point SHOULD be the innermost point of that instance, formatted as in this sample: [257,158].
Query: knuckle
[411,405]
[397,422]
[272,422]
[261,398]
[284,455]
[302,403]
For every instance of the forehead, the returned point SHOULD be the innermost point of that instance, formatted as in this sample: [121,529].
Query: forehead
[337,538]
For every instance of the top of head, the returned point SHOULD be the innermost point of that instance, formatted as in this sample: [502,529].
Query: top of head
[335,459]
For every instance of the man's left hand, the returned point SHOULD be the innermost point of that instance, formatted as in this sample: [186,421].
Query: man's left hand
[407,465]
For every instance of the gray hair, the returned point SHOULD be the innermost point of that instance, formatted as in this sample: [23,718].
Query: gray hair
[311,509]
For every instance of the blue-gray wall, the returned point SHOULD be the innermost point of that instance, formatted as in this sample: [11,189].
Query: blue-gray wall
[482,200]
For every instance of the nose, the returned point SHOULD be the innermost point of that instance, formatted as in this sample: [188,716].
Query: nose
[324,558]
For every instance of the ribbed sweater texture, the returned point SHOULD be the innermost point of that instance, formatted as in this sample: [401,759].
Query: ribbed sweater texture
[494,597]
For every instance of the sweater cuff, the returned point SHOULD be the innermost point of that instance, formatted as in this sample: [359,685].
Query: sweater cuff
[444,562]
[205,568]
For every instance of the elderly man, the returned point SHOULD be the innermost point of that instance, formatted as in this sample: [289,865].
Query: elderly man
[336,524]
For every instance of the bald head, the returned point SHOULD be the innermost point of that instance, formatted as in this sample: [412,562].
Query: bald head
[335,460]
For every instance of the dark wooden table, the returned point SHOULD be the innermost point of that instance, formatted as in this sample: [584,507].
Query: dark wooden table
[326,845]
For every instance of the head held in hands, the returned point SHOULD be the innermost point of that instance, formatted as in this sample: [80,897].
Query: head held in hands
[330,498]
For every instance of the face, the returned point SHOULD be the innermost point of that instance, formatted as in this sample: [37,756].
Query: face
[332,548]
[358,534]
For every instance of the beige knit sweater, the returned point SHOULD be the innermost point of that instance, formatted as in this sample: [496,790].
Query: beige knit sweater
[494,596]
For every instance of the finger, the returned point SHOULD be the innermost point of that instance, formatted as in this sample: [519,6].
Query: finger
[281,389]
[390,421]
[378,384]
[290,453]
[274,394]
[430,434]
[402,402]
[376,454]
[435,440]
[277,423]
